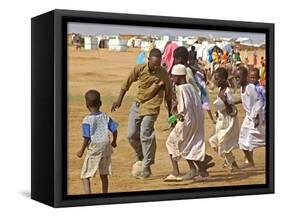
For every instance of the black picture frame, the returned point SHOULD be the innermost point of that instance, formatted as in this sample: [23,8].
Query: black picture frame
[49,106]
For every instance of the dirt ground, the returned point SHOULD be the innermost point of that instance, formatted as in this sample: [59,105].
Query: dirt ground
[105,70]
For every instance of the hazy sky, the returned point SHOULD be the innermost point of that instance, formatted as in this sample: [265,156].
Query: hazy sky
[108,29]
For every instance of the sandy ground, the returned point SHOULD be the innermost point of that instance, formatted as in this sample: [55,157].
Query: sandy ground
[104,70]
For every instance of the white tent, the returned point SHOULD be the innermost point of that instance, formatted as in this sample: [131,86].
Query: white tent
[145,45]
[90,43]
[117,45]
[160,44]
[203,51]
[138,42]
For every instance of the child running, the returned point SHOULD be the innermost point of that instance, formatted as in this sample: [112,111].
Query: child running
[226,135]
[254,78]
[252,133]
[96,127]
[181,57]
[186,140]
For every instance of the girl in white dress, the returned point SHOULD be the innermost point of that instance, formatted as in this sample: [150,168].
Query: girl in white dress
[252,132]
[226,135]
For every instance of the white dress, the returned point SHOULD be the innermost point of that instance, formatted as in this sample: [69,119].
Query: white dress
[251,137]
[225,137]
[186,140]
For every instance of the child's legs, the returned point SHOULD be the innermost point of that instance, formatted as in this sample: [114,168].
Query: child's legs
[134,122]
[202,168]
[148,140]
[87,185]
[191,165]
[249,156]
[229,158]
[105,170]
[175,165]
[104,182]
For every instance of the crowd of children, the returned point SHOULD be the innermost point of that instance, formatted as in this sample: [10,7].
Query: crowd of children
[187,103]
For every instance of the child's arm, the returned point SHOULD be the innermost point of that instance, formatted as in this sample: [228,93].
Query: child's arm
[86,137]
[114,140]
[211,116]
[112,126]
[82,149]
[168,96]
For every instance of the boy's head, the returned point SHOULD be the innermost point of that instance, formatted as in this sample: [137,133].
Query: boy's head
[154,59]
[221,76]
[92,98]
[254,76]
[241,76]
[193,48]
[178,74]
[180,55]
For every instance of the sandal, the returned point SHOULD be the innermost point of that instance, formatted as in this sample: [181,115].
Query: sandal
[172,178]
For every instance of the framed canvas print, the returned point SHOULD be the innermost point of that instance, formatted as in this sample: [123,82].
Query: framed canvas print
[133,108]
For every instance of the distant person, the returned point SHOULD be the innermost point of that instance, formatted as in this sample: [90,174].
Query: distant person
[77,41]
[246,57]
[153,85]
[255,58]
[96,127]
[192,54]
[263,71]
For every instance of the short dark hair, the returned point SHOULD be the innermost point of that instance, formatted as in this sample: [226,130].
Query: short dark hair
[222,72]
[92,98]
[243,70]
[193,47]
[256,71]
[155,52]
[181,52]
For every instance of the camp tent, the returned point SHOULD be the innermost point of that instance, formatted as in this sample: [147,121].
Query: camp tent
[90,43]
[115,44]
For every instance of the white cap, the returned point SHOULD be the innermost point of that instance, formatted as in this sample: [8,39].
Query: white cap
[179,69]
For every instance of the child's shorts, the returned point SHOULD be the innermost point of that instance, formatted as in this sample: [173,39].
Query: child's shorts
[93,163]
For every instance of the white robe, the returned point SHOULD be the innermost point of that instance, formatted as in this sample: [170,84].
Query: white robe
[186,140]
[225,137]
[251,137]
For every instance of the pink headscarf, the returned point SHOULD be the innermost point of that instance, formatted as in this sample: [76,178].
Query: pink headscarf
[167,56]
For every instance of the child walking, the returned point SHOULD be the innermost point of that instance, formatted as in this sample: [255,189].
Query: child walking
[96,127]
[252,133]
[186,140]
[226,135]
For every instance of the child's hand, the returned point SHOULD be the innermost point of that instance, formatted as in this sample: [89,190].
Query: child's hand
[257,121]
[215,149]
[180,117]
[216,114]
[113,144]
[174,109]
[79,153]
